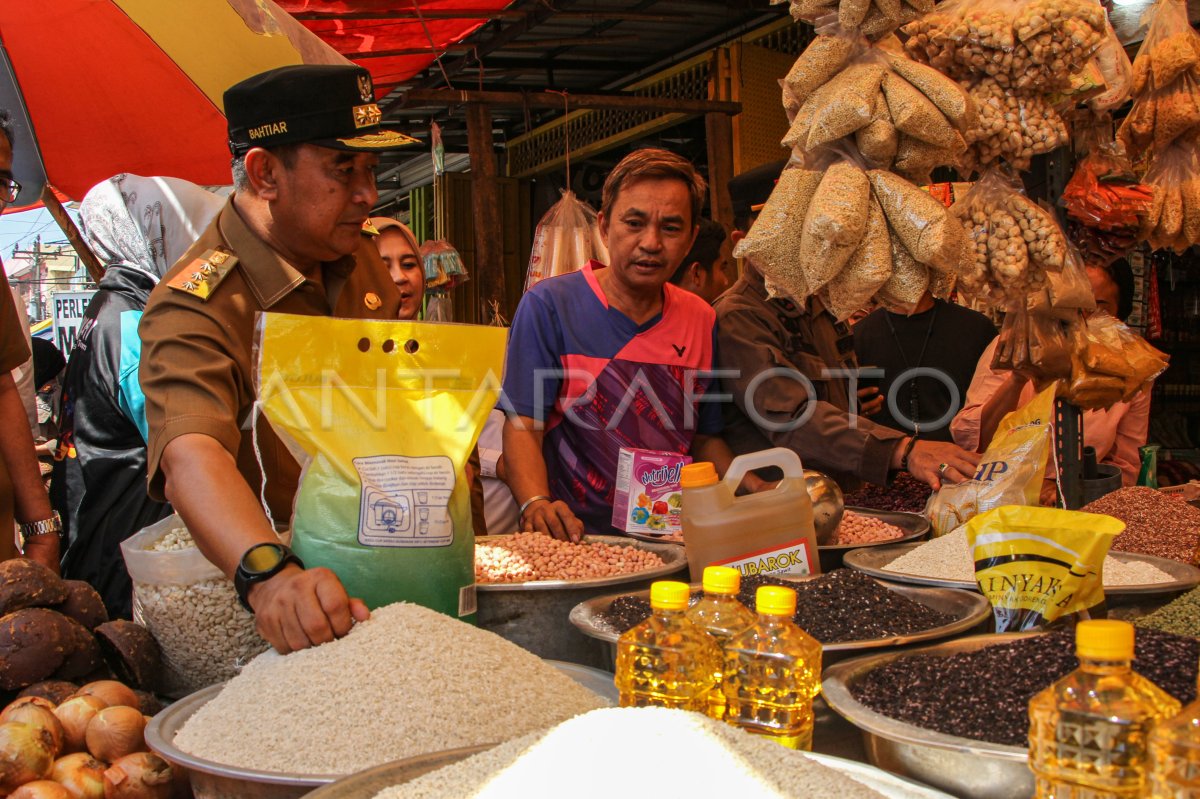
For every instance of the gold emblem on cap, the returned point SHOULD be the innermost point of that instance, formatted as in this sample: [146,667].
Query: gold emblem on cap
[372,301]
[366,116]
[364,88]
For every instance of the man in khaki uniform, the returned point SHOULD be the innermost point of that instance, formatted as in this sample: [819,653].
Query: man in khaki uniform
[305,141]
[22,494]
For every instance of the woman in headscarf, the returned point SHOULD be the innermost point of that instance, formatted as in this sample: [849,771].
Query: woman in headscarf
[138,227]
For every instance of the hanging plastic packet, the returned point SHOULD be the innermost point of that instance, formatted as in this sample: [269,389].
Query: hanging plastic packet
[1009,473]
[566,238]
[1040,565]
[382,418]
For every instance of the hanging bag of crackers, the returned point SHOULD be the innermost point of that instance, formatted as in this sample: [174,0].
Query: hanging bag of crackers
[1166,83]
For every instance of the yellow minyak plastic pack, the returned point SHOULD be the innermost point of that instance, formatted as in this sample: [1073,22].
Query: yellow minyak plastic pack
[382,417]
[1010,471]
[1036,565]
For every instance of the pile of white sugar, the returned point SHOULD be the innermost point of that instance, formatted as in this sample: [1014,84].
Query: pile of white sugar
[650,751]
[949,558]
[407,682]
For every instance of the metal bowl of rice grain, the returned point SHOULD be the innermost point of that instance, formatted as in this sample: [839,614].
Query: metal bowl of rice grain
[212,780]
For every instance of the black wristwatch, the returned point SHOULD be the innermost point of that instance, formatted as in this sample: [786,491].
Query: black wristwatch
[261,562]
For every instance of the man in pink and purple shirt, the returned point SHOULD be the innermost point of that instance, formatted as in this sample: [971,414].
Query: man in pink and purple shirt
[612,356]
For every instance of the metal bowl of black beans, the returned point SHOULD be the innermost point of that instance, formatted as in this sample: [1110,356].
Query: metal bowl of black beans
[955,715]
[845,610]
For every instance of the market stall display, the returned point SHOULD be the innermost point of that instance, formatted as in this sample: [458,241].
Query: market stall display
[322,711]
[525,557]
[89,746]
[54,629]
[735,762]
[872,18]
[905,494]
[1154,523]
[878,614]
[1181,616]
[942,687]
[1107,203]
[190,607]
[946,561]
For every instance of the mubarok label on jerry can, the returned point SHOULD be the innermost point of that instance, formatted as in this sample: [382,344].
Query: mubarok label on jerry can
[382,417]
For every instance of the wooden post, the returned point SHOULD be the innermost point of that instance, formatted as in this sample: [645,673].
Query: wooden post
[720,166]
[94,267]
[485,204]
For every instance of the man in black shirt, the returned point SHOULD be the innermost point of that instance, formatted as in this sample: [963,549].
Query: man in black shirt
[928,360]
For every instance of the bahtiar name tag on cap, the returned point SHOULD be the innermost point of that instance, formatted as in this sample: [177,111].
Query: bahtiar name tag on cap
[201,277]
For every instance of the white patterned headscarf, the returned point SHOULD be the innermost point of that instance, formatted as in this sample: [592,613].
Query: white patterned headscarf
[147,223]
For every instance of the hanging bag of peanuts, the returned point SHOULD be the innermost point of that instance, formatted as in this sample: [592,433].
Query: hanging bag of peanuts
[872,18]
[1166,94]
[1016,240]
[190,608]
[1027,45]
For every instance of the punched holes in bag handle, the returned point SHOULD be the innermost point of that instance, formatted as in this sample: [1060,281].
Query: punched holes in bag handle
[411,346]
[779,457]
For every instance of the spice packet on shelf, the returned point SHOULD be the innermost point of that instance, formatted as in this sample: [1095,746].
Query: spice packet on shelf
[647,497]
[1041,565]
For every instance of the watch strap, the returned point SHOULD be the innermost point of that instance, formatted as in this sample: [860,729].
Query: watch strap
[244,580]
[42,527]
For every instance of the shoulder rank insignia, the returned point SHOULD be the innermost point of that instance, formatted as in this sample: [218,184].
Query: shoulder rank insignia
[201,277]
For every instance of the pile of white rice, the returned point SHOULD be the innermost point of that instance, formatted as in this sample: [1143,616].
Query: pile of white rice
[407,682]
[635,752]
[949,558]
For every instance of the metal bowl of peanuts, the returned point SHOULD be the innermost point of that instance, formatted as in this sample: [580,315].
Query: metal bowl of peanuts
[863,527]
[960,766]
[532,613]
[969,612]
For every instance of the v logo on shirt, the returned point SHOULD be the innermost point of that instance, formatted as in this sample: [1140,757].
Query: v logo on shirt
[678,350]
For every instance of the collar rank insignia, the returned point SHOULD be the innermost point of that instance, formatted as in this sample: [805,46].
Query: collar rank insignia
[201,277]
[369,229]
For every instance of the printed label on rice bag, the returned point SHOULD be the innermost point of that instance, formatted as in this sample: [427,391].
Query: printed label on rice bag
[794,558]
[405,501]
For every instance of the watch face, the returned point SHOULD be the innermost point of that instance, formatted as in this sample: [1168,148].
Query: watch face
[262,558]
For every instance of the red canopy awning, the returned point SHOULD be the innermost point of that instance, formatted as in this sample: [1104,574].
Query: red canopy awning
[389,37]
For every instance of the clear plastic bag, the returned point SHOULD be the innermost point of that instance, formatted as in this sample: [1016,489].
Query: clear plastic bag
[1018,240]
[835,223]
[566,238]
[1113,64]
[868,269]
[773,243]
[848,102]
[1029,45]
[821,61]
[907,283]
[1173,221]
[918,220]
[1012,127]
[190,608]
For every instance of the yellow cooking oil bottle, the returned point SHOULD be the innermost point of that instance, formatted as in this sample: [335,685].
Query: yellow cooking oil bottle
[772,672]
[720,615]
[1089,732]
[770,532]
[667,661]
[1175,756]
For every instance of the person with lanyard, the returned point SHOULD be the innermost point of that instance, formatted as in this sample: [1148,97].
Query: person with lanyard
[138,227]
[305,141]
[22,495]
[612,356]
[925,362]
[791,371]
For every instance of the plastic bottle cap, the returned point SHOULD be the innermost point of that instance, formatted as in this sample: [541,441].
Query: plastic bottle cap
[698,475]
[775,600]
[1104,639]
[722,580]
[669,595]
